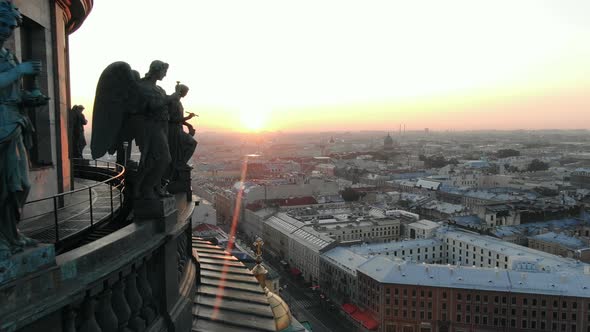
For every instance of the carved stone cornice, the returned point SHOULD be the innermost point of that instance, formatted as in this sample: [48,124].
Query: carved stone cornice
[75,12]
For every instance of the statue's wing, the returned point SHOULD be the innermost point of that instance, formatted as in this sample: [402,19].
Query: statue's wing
[117,95]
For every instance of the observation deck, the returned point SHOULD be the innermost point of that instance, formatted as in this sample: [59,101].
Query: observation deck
[65,218]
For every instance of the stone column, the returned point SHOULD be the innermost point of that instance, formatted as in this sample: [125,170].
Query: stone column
[105,316]
[136,323]
[120,305]
[87,317]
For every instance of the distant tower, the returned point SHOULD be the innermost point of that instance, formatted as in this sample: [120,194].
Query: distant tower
[388,142]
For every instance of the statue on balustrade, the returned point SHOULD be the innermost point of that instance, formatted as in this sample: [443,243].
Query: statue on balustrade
[182,144]
[15,134]
[127,108]
[77,122]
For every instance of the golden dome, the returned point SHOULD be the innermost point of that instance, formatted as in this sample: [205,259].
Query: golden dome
[280,310]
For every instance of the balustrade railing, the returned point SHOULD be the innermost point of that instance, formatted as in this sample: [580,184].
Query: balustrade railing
[66,214]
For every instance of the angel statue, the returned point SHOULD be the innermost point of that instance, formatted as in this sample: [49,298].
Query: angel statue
[127,108]
[15,135]
[182,144]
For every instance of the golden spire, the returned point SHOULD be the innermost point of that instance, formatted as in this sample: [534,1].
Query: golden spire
[259,271]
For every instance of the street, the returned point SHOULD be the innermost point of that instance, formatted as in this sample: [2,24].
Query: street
[305,304]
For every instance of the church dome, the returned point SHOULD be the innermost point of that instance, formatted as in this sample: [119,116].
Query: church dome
[280,310]
[388,142]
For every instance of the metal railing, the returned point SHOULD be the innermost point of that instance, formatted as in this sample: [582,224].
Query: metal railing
[69,213]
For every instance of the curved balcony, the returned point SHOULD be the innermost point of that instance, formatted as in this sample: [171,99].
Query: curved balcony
[65,218]
[141,276]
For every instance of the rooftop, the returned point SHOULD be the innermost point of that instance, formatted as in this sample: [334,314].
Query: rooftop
[561,239]
[371,249]
[344,258]
[228,296]
[388,271]
[520,257]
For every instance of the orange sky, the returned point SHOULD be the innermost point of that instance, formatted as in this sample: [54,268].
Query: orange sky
[352,65]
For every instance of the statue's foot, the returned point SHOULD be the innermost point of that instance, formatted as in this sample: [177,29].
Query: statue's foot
[26,241]
[16,249]
[161,192]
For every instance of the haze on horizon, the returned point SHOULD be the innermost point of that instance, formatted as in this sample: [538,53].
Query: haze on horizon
[328,65]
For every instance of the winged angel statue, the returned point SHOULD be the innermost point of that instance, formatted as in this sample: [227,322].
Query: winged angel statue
[128,108]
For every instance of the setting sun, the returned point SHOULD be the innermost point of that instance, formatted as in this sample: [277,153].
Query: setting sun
[253,119]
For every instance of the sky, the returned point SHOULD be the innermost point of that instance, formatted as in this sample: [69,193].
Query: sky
[335,65]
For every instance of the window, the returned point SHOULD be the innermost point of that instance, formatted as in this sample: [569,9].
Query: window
[32,36]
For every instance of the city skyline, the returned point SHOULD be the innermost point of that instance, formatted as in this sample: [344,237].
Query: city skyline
[334,66]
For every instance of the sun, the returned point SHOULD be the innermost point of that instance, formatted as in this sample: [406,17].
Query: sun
[253,119]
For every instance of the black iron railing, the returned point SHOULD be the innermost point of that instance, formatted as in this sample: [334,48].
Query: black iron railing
[67,214]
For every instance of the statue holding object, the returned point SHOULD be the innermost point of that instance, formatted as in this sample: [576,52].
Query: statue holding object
[15,134]
[182,144]
[127,108]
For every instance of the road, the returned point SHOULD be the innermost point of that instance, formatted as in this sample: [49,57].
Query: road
[305,305]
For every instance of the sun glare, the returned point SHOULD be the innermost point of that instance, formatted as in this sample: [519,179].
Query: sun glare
[253,119]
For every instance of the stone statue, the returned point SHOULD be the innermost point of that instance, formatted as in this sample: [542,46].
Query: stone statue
[182,145]
[77,123]
[15,135]
[127,109]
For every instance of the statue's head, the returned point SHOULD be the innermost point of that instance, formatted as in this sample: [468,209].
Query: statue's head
[158,70]
[181,89]
[79,108]
[10,18]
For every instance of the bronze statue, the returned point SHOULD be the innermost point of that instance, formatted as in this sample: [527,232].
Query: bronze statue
[77,122]
[15,134]
[127,109]
[182,145]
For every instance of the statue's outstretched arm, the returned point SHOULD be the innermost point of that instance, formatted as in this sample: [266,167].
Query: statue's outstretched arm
[26,68]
